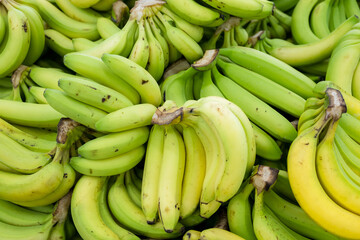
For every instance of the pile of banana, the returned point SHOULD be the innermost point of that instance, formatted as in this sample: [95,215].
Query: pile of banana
[168,119]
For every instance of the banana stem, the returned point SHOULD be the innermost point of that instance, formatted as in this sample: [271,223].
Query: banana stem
[264,178]
[62,209]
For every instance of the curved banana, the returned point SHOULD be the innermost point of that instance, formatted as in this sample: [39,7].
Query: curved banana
[68,26]
[133,191]
[103,5]
[140,51]
[270,92]
[86,15]
[136,76]
[58,42]
[266,146]
[38,94]
[150,180]
[218,234]
[191,235]
[82,44]
[196,13]
[161,39]
[29,114]
[17,43]
[3,23]
[78,111]
[114,144]
[85,210]
[39,232]
[254,9]
[42,133]
[37,39]
[300,24]
[239,213]
[95,69]
[257,111]
[132,217]
[305,54]
[94,94]
[109,166]
[106,27]
[319,21]
[272,68]
[194,173]
[84,3]
[282,186]
[208,88]
[20,216]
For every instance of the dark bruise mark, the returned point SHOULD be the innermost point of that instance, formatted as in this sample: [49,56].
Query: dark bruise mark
[103,99]
[65,175]
[25,27]
[144,81]
[306,144]
[108,96]
[116,150]
[92,87]
[91,171]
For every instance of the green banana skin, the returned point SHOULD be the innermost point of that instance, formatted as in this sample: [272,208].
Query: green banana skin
[80,112]
[351,125]
[28,140]
[114,144]
[16,215]
[258,111]
[285,5]
[278,96]
[39,132]
[58,42]
[39,232]
[295,218]
[108,166]
[83,15]
[94,68]
[319,19]
[29,114]
[282,186]
[132,217]
[38,94]
[94,94]
[305,54]
[133,191]
[266,146]
[271,68]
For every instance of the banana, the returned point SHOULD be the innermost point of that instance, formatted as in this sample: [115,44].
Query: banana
[350,172]
[58,42]
[133,191]
[38,94]
[108,166]
[80,14]
[94,94]
[82,44]
[294,217]
[103,5]
[17,187]
[319,19]
[78,111]
[356,83]
[282,186]
[186,45]
[30,141]
[272,68]
[106,27]
[42,133]
[127,118]
[68,26]
[37,40]
[95,69]
[278,96]
[194,173]
[156,61]
[301,161]
[150,181]
[29,114]
[309,114]
[300,24]
[39,232]
[208,88]
[349,142]
[85,210]
[114,144]
[20,216]
[196,13]
[68,181]
[140,51]
[346,57]
[351,126]
[218,234]
[161,39]
[241,36]
[170,179]
[191,235]
[198,78]
[239,213]
[3,23]
[332,177]
[351,8]
[17,43]
[305,54]
[257,111]
[285,5]
[136,76]
[132,217]
[254,9]
[266,146]
[116,44]
[135,179]
[109,219]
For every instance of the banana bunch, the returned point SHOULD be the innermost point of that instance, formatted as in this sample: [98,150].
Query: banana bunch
[313,48]
[191,160]
[285,5]
[316,165]
[22,38]
[153,37]
[343,64]
[109,207]
[95,104]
